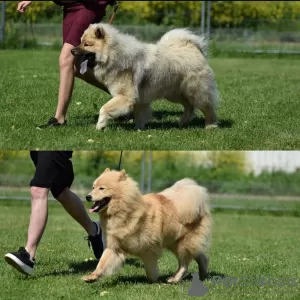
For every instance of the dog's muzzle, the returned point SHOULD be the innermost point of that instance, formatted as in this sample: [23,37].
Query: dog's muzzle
[99,205]
[84,55]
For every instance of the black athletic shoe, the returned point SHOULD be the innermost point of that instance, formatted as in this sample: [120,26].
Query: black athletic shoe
[20,260]
[53,122]
[96,242]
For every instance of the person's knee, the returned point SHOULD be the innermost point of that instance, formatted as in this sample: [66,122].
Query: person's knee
[38,192]
[66,60]
[63,195]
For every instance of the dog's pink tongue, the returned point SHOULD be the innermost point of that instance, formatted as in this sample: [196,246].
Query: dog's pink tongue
[91,210]
[83,66]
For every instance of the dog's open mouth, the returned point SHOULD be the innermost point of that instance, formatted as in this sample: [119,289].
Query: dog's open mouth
[99,205]
[85,58]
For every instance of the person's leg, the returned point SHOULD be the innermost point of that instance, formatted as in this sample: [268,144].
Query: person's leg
[38,218]
[66,83]
[68,70]
[74,206]
[23,259]
[74,24]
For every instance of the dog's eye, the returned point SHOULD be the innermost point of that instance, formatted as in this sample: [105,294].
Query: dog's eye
[86,45]
[101,188]
[93,188]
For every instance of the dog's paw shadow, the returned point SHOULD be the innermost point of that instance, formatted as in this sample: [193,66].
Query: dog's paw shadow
[91,265]
[84,266]
[142,279]
[212,274]
[85,120]
[132,280]
[74,268]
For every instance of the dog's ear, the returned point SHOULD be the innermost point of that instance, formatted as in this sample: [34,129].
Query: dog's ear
[99,33]
[107,170]
[123,175]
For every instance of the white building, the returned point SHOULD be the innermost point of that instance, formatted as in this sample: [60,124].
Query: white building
[258,161]
[288,161]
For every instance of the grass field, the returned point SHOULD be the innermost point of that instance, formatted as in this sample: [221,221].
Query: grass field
[243,246]
[259,109]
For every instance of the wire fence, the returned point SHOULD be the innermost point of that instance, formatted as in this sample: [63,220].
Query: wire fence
[222,39]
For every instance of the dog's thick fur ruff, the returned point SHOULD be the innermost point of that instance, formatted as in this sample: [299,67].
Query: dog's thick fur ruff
[137,73]
[177,219]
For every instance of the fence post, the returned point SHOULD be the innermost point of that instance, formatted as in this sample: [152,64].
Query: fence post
[143,172]
[208,18]
[150,172]
[202,16]
[2,29]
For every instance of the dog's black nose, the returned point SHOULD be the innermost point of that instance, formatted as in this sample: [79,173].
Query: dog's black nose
[88,198]
[73,51]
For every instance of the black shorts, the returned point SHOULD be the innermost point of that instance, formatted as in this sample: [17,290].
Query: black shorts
[53,170]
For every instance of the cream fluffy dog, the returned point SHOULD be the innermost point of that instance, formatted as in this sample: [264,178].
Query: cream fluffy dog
[177,219]
[137,73]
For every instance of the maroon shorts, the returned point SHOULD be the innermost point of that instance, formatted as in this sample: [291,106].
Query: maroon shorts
[77,19]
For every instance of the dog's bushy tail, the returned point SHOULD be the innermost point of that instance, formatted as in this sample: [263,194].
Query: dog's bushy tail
[192,204]
[190,199]
[187,36]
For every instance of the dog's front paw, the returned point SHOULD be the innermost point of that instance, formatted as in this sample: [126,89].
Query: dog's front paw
[171,280]
[100,126]
[211,126]
[90,278]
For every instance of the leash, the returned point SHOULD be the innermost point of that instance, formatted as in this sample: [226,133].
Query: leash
[120,160]
[116,6]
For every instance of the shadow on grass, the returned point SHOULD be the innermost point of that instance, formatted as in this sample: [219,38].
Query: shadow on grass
[213,273]
[88,266]
[158,116]
[142,279]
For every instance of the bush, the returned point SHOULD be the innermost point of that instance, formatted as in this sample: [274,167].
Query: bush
[15,40]
[176,13]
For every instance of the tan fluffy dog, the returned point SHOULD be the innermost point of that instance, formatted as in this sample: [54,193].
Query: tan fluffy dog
[136,73]
[177,219]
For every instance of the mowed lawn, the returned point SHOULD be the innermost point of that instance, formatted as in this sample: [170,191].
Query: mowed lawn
[259,109]
[243,246]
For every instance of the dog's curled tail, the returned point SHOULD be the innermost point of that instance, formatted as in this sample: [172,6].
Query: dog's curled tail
[190,199]
[186,36]
[192,204]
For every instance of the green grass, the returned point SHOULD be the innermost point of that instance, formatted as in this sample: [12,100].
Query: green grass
[259,109]
[243,245]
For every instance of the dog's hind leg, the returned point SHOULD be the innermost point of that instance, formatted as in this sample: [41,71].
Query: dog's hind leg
[118,106]
[202,261]
[184,259]
[109,264]
[181,272]
[188,114]
[142,115]
[151,267]
[201,92]
[209,115]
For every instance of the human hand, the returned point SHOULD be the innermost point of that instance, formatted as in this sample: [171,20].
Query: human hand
[22,6]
